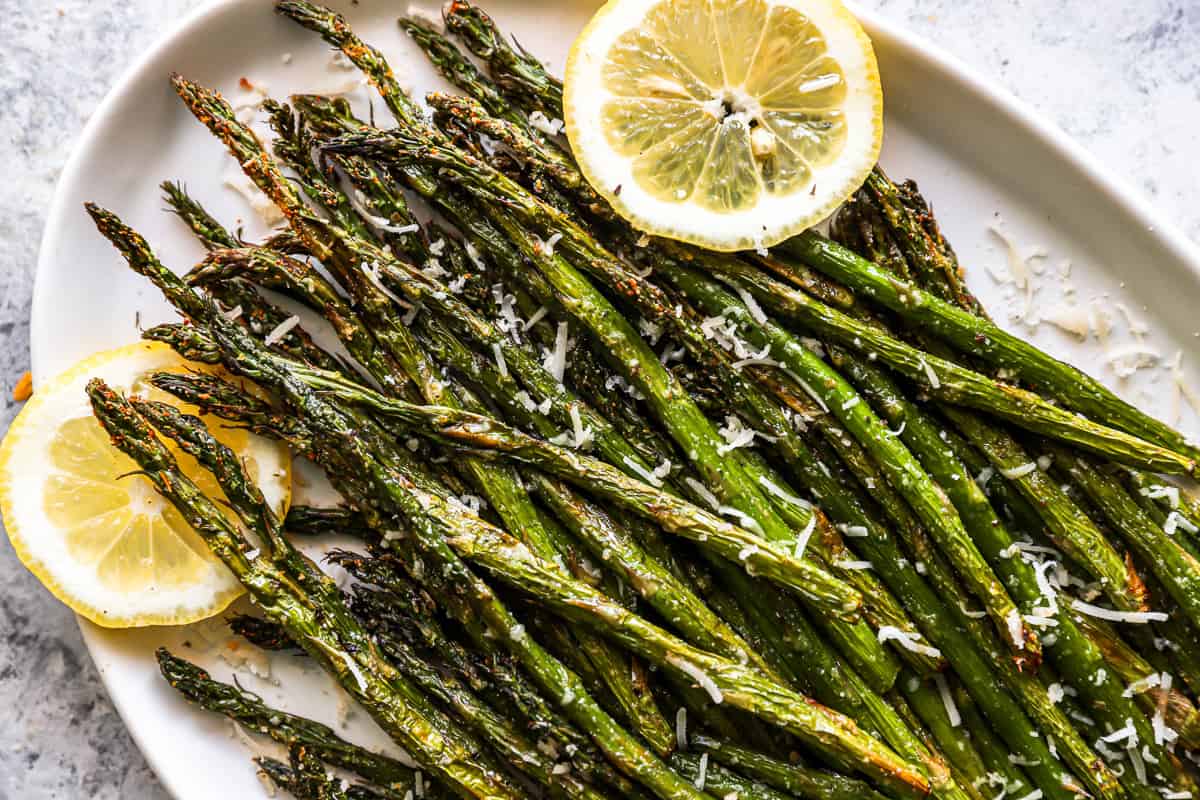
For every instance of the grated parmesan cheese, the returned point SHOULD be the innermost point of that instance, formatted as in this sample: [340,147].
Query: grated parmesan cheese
[702,772]
[1138,617]
[702,490]
[281,330]
[501,364]
[803,537]
[556,360]
[699,676]
[774,488]
[259,203]
[1016,628]
[736,434]
[930,375]
[539,121]
[1159,492]
[1019,471]
[1174,521]
[909,640]
[752,305]
[939,680]
[649,476]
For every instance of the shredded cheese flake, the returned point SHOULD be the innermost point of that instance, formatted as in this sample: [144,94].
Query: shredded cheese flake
[1137,617]
[1019,471]
[699,676]
[752,306]
[939,680]
[909,640]
[281,330]
[774,488]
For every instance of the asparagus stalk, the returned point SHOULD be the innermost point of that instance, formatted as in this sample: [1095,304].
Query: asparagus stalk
[326,631]
[721,782]
[501,733]
[794,779]
[908,219]
[668,595]
[903,470]
[1175,568]
[733,479]
[740,686]
[1157,499]
[673,514]
[305,779]
[946,380]
[941,450]
[973,335]
[418,176]
[249,711]
[211,233]
[926,703]
[519,74]
[498,484]
[994,752]
[404,610]
[455,67]
[261,633]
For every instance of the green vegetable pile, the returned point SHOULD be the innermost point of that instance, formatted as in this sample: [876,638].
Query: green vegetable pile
[641,520]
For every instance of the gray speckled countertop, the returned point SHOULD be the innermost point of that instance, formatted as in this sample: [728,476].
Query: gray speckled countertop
[1121,76]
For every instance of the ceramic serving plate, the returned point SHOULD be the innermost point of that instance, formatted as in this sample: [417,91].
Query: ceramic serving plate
[1014,195]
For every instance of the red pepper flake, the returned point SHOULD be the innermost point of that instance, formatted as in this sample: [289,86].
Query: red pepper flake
[245,84]
[24,388]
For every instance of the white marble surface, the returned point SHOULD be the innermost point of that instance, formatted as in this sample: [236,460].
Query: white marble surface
[1121,76]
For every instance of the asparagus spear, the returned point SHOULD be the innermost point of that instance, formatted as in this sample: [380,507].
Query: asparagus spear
[994,752]
[669,596]
[211,233]
[1178,571]
[675,515]
[908,218]
[249,711]
[336,32]
[794,779]
[456,68]
[326,631]
[941,450]
[404,610]
[501,733]
[948,381]
[927,705]
[305,779]
[719,781]
[979,337]
[903,470]
[518,73]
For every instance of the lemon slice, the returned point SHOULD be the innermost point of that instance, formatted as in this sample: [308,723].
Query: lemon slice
[106,545]
[730,124]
